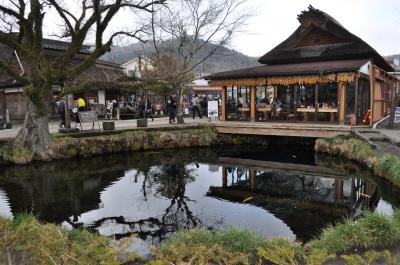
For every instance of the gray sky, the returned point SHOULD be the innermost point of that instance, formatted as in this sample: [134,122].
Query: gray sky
[375,21]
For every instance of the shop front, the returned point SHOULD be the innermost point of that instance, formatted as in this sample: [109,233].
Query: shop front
[322,73]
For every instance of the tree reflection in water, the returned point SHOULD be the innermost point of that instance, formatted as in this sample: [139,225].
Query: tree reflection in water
[65,191]
[167,180]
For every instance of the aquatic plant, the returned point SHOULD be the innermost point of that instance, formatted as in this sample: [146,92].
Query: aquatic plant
[25,240]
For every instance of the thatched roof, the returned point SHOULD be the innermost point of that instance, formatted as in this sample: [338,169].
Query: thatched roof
[321,38]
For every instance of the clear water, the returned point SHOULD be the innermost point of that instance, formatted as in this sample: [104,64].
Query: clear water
[274,192]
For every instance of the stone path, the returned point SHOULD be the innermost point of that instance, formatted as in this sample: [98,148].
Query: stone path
[384,141]
[119,125]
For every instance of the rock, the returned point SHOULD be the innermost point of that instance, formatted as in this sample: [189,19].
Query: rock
[108,125]
[142,123]
[179,118]
[8,126]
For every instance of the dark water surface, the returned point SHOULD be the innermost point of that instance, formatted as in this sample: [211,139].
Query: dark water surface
[274,192]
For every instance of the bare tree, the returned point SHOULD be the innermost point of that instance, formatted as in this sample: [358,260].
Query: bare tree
[183,31]
[22,30]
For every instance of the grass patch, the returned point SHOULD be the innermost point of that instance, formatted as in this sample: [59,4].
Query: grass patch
[200,246]
[373,230]
[233,246]
[387,166]
[16,153]
[25,240]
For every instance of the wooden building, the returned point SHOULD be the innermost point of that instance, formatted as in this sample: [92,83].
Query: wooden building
[13,99]
[322,73]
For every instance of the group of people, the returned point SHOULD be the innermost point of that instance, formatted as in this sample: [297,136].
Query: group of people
[79,106]
[145,107]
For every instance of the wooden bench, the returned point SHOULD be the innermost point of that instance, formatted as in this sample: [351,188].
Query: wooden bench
[89,117]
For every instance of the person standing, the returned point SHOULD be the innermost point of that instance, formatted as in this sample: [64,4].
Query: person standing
[196,106]
[172,108]
[204,104]
[81,104]
[149,110]
[61,111]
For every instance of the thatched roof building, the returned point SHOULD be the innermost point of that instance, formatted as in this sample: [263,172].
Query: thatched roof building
[322,72]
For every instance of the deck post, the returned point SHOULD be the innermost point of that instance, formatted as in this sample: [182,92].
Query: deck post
[252,103]
[223,103]
[342,102]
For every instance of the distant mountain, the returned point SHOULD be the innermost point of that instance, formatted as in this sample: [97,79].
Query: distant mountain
[224,60]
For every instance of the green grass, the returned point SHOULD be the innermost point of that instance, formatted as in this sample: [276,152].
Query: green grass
[25,240]
[233,246]
[389,166]
[347,146]
[373,230]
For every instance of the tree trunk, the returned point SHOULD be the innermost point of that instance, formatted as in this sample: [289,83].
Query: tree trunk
[34,135]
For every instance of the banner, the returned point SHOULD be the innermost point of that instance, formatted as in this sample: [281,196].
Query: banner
[212,109]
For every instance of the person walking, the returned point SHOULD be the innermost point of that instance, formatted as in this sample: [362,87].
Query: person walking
[196,106]
[172,108]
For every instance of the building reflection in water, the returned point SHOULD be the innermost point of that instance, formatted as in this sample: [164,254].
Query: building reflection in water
[155,194]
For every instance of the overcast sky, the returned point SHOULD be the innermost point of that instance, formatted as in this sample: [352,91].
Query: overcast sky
[377,22]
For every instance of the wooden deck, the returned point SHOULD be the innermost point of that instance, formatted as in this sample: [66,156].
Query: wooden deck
[283,129]
[271,166]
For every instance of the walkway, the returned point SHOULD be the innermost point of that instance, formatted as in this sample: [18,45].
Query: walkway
[119,125]
[384,141]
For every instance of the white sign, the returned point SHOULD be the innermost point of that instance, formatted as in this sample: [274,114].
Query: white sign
[397,115]
[212,109]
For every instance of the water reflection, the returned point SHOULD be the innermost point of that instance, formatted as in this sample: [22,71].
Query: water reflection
[154,194]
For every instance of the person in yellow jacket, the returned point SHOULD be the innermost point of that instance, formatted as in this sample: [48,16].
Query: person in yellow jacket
[81,104]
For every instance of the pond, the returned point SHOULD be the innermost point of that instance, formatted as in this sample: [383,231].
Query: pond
[275,192]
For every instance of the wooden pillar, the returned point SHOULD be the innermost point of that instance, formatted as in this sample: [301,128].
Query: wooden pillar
[224,177]
[338,190]
[252,179]
[253,104]
[372,89]
[356,98]
[342,102]
[223,104]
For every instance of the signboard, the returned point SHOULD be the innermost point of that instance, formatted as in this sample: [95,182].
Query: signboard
[213,109]
[397,115]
